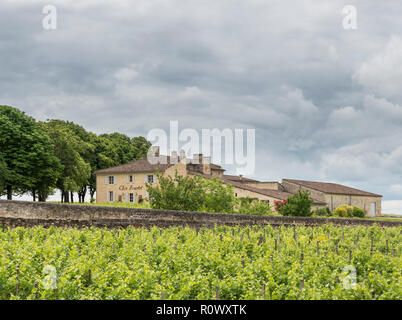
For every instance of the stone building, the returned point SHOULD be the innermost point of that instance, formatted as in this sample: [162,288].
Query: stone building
[127,183]
[335,195]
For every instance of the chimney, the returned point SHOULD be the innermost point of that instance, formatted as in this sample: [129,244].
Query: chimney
[197,158]
[153,155]
[155,151]
[241,177]
[182,156]
[206,165]
[174,157]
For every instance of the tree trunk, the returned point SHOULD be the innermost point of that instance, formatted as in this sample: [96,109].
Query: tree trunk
[81,194]
[9,193]
[66,196]
[92,192]
[62,195]
[72,197]
[33,195]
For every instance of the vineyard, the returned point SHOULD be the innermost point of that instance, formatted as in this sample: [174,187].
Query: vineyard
[324,262]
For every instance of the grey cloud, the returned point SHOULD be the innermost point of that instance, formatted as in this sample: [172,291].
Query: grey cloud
[325,102]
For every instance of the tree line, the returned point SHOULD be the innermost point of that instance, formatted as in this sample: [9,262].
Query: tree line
[38,157]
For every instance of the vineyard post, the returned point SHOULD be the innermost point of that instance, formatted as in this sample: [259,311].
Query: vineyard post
[263,291]
[89,277]
[36,290]
[162,296]
[350,256]
[318,248]
[301,257]
[336,246]
[217,293]
[56,293]
[302,284]
[371,249]
[18,281]
[276,244]
[393,252]
[343,236]
[386,242]
[242,261]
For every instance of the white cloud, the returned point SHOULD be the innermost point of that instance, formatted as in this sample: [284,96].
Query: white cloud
[382,73]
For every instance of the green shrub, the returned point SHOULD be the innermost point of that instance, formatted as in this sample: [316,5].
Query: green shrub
[297,205]
[322,212]
[254,206]
[358,212]
[341,212]
[344,211]
[191,194]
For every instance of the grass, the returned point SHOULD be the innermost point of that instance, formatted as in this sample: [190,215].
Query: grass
[113,204]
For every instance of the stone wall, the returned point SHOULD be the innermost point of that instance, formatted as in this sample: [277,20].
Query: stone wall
[21,213]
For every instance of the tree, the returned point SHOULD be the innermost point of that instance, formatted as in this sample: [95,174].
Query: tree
[297,205]
[27,159]
[254,206]
[4,172]
[70,148]
[218,196]
[178,193]
[124,148]
[191,193]
[140,147]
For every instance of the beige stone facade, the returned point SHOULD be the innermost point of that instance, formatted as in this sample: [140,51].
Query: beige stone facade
[127,183]
[130,186]
[335,195]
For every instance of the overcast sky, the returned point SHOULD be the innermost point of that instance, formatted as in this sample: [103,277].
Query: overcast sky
[325,102]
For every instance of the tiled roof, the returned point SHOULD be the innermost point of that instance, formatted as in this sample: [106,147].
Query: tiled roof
[238,178]
[141,165]
[216,167]
[334,188]
[277,194]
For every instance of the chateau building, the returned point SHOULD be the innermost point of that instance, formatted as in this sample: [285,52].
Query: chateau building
[127,183]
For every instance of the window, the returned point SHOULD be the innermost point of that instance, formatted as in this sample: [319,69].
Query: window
[150,178]
[130,178]
[111,196]
[235,194]
[131,197]
[111,179]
